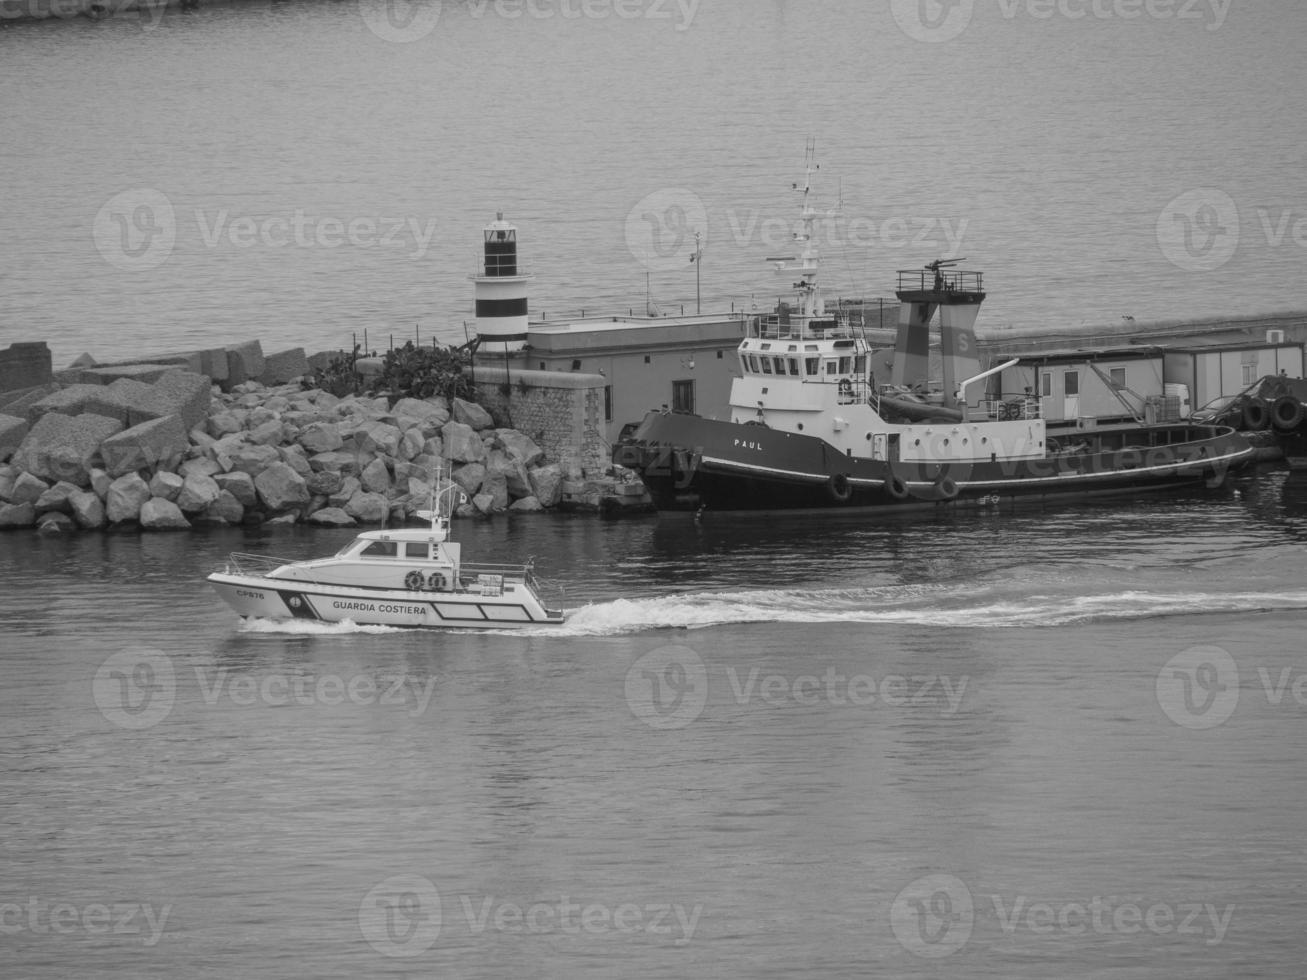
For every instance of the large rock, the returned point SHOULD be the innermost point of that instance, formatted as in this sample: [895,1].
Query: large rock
[512,470]
[158,514]
[203,466]
[27,489]
[470,413]
[495,487]
[166,485]
[293,456]
[425,414]
[269,433]
[17,515]
[369,508]
[347,464]
[281,488]
[240,485]
[88,509]
[57,498]
[348,488]
[547,484]
[144,446]
[377,437]
[527,505]
[245,362]
[411,444]
[321,437]
[8,474]
[61,447]
[255,459]
[331,517]
[284,366]
[225,510]
[520,446]
[127,495]
[470,477]
[198,491]
[461,444]
[226,423]
[325,483]
[375,477]
[55,523]
[12,431]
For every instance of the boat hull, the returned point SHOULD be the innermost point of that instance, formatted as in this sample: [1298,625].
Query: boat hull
[263,597]
[690,463]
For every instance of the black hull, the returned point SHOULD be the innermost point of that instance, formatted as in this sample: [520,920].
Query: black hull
[690,463]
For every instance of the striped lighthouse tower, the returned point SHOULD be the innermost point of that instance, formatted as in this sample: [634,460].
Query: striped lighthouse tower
[501,312]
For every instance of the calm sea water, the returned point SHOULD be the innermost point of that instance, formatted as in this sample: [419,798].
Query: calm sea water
[1020,745]
[302,172]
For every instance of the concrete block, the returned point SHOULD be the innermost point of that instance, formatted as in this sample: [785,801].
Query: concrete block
[19,401]
[79,399]
[187,394]
[244,363]
[144,446]
[25,365]
[63,447]
[143,373]
[284,366]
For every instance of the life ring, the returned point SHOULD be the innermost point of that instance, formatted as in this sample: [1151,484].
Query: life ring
[895,487]
[413,580]
[436,582]
[1286,413]
[1256,414]
[946,487]
[846,386]
[840,488]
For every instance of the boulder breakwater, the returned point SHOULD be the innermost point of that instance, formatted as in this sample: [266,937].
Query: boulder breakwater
[163,447]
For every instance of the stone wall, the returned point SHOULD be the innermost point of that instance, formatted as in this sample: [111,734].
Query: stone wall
[562,413]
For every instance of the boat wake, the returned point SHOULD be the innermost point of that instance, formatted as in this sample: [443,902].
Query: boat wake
[310,627]
[936,606]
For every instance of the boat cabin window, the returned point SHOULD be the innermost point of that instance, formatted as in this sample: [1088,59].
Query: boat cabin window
[780,366]
[381,549]
[812,364]
[832,368]
[753,364]
[416,549]
[846,365]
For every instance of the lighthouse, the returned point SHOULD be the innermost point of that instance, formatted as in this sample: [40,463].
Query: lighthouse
[501,308]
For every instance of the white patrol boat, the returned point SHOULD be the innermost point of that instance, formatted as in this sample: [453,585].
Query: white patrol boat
[406,577]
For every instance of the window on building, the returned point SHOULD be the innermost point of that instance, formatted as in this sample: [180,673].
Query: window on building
[1072,382]
[608,403]
[682,396]
[1118,377]
[719,355]
[1249,373]
[648,359]
[1046,385]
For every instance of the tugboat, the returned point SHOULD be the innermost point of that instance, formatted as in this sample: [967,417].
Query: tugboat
[410,577]
[812,427]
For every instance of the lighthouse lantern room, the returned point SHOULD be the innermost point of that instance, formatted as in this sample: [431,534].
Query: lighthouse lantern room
[501,290]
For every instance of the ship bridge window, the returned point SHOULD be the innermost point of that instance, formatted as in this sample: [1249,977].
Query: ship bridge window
[846,364]
[832,368]
[766,365]
[416,549]
[381,549]
[794,367]
[780,366]
[812,364]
